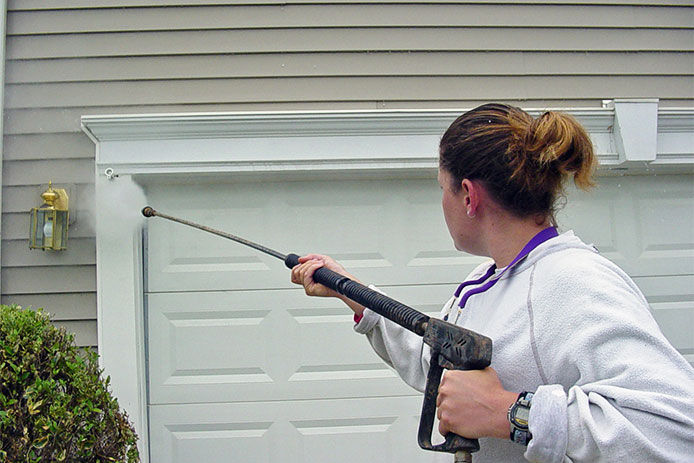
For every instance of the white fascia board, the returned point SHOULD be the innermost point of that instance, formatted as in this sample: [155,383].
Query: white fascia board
[351,141]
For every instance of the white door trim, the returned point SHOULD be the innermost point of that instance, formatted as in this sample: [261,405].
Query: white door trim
[140,148]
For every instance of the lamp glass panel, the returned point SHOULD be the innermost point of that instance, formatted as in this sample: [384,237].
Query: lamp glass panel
[60,225]
[38,221]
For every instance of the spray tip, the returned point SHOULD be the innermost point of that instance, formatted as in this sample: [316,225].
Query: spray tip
[148,211]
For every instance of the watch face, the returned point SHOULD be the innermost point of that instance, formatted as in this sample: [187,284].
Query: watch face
[520,415]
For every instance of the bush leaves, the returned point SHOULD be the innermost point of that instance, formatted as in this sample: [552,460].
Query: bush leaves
[54,404]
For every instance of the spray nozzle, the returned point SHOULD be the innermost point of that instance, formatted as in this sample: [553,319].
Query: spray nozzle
[110,174]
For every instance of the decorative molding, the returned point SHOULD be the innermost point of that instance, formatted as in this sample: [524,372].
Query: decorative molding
[675,139]
[676,120]
[293,123]
[264,124]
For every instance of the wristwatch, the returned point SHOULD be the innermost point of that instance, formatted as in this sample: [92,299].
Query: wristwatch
[518,414]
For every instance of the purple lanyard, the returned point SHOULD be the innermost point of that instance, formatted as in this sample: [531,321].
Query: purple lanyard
[546,234]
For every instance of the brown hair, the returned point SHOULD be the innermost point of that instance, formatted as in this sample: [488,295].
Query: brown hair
[522,161]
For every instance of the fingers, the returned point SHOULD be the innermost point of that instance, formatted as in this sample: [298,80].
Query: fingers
[302,274]
[473,404]
[443,430]
[452,402]
[307,274]
[308,257]
[439,397]
[441,412]
[299,270]
[443,424]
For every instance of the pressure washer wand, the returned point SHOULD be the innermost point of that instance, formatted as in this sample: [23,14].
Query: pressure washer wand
[405,316]
[149,212]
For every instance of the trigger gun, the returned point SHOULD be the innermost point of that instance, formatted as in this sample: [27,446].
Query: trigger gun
[452,348]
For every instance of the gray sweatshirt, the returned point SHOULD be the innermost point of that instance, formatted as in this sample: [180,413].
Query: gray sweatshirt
[573,327]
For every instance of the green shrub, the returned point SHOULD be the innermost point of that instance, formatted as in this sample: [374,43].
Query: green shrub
[54,404]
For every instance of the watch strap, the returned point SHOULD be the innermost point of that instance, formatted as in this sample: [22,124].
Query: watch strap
[517,415]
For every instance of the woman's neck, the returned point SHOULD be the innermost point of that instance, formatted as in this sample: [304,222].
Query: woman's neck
[507,236]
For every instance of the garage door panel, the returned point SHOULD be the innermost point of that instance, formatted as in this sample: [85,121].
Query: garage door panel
[676,320]
[262,345]
[665,226]
[213,442]
[315,430]
[672,303]
[643,224]
[321,357]
[356,437]
[200,343]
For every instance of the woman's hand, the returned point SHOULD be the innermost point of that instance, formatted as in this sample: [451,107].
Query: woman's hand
[302,274]
[474,404]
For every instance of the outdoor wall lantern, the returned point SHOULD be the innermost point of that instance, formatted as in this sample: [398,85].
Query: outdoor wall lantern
[49,222]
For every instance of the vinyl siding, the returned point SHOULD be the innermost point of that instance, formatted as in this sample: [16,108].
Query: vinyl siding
[68,58]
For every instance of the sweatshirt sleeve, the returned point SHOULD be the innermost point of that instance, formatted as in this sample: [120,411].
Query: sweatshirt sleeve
[398,347]
[615,389]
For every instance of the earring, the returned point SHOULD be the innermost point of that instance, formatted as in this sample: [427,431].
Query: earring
[470,214]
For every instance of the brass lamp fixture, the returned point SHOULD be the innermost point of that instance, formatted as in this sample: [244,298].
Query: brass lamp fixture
[49,222]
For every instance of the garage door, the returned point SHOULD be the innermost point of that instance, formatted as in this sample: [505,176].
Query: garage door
[242,366]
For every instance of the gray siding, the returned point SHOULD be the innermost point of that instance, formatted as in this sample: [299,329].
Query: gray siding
[68,58]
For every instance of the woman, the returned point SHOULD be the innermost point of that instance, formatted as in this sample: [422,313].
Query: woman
[577,354]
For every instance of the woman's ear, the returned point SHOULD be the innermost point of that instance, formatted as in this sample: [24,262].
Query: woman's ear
[471,196]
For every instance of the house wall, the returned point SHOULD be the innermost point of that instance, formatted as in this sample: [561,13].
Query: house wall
[68,58]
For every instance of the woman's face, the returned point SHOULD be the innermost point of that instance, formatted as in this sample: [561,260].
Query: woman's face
[454,211]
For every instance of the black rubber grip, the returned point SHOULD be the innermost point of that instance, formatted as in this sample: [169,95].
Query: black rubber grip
[403,315]
[291,261]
